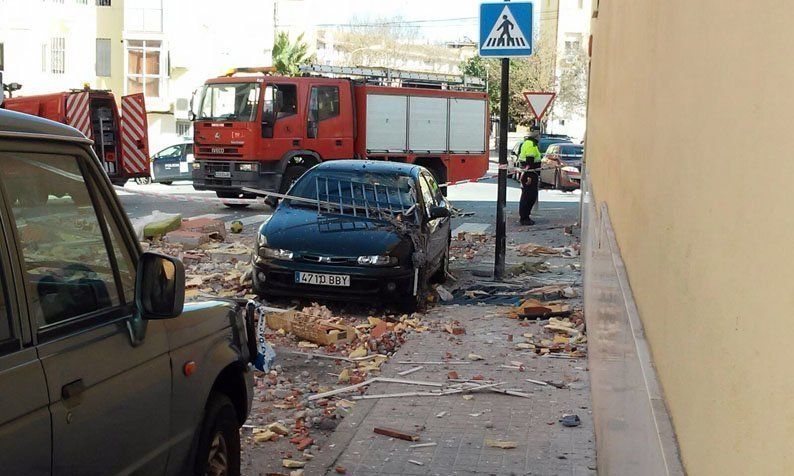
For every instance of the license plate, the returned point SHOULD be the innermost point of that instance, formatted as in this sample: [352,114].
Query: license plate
[223,174]
[341,280]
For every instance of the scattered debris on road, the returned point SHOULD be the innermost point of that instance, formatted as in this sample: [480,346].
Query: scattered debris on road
[396,434]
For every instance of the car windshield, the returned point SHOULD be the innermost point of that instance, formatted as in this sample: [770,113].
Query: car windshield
[229,102]
[354,187]
[570,150]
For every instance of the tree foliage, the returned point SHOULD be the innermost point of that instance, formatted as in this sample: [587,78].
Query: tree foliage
[288,55]
[536,73]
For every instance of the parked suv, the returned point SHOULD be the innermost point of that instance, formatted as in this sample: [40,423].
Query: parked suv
[103,367]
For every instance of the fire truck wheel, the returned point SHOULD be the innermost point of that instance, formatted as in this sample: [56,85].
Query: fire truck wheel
[292,174]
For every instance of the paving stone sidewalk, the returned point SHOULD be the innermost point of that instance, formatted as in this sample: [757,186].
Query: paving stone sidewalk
[544,446]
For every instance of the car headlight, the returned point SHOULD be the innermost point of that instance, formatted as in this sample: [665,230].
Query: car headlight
[568,168]
[261,240]
[247,167]
[377,260]
[275,253]
[196,165]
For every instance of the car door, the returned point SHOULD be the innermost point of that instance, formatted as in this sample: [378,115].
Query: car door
[109,400]
[329,125]
[547,167]
[25,427]
[167,163]
[438,228]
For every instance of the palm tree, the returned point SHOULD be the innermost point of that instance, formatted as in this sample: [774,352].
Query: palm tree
[288,56]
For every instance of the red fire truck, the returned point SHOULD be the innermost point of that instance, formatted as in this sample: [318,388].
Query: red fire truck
[120,140]
[264,131]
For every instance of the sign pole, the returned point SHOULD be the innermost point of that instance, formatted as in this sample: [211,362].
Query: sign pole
[501,197]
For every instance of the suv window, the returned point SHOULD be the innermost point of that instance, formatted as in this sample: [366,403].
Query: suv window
[63,240]
[5,316]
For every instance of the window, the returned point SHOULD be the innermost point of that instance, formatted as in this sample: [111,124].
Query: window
[229,102]
[81,2]
[144,69]
[2,57]
[184,128]
[103,57]
[325,102]
[289,100]
[427,194]
[103,3]
[170,152]
[68,269]
[58,55]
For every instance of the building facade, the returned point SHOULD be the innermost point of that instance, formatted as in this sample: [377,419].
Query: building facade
[687,246]
[48,45]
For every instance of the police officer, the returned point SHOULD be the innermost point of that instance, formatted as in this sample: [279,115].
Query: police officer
[529,162]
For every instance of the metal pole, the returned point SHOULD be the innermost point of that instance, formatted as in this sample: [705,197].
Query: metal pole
[501,197]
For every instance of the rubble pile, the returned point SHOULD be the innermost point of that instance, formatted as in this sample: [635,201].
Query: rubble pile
[342,352]
[532,249]
[466,245]
[216,264]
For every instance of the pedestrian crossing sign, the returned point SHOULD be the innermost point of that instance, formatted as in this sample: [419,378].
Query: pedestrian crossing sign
[506,29]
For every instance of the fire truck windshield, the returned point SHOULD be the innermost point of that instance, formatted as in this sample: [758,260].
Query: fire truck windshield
[229,102]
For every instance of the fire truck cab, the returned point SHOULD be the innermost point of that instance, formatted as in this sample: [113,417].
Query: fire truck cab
[265,131]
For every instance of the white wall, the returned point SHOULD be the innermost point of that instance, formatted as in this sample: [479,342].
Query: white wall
[202,39]
[27,24]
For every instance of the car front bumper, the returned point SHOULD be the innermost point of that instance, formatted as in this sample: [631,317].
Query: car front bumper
[366,283]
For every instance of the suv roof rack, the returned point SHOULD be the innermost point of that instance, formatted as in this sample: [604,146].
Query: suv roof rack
[384,76]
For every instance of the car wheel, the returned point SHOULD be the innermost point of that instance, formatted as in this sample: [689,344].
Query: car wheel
[119,182]
[143,180]
[440,276]
[223,195]
[557,185]
[219,441]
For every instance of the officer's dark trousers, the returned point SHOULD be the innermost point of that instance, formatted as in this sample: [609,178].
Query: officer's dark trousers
[529,195]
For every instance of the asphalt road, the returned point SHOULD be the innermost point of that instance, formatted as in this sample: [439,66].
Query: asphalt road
[479,198]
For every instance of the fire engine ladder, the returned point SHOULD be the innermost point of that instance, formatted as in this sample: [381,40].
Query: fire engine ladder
[387,75]
[345,198]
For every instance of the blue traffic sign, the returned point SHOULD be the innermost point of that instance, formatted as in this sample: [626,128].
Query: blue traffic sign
[506,29]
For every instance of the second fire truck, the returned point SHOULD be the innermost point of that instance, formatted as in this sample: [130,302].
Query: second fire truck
[264,131]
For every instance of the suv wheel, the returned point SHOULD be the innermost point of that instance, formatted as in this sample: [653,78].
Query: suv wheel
[219,442]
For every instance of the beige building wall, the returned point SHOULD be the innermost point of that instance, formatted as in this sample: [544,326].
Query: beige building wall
[689,145]
[109,25]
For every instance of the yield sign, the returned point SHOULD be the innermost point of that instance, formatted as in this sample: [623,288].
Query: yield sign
[539,102]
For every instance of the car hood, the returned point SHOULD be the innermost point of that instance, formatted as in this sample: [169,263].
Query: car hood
[301,230]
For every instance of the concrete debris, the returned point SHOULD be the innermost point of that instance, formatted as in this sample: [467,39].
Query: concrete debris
[500,443]
[423,445]
[532,249]
[474,357]
[291,463]
[570,420]
[410,371]
[395,434]
[443,294]
[418,463]
[441,414]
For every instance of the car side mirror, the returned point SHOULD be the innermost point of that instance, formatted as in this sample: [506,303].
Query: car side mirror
[160,286]
[439,212]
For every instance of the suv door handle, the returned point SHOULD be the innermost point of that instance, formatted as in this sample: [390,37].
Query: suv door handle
[339,142]
[72,389]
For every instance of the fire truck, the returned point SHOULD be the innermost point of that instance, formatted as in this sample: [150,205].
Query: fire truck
[120,140]
[264,131]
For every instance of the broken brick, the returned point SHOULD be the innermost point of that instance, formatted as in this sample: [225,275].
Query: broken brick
[396,434]
[452,375]
[304,443]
